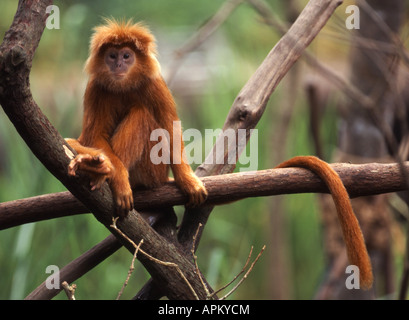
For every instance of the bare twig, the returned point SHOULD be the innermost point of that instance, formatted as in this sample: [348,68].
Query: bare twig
[199,274]
[195,237]
[131,269]
[245,276]
[69,289]
[238,275]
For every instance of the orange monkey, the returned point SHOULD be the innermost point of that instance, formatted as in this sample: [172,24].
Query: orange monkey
[125,100]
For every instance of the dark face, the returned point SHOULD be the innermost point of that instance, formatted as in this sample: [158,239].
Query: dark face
[119,60]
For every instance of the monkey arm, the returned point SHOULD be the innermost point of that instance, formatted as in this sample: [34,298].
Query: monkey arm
[184,176]
[164,108]
[97,158]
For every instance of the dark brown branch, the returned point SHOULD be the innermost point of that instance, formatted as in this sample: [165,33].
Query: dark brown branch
[359,179]
[44,207]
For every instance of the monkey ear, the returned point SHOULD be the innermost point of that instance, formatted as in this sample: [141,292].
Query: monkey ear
[142,37]
[145,46]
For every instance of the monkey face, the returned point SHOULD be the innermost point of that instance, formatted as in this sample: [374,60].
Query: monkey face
[119,61]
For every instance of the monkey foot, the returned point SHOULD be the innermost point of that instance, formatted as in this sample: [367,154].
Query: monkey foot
[195,190]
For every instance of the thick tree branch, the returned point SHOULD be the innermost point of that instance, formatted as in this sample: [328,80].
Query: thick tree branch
[360,180]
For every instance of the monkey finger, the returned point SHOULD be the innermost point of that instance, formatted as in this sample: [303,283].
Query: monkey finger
[75,164]
[72,167]
[97,159]
[96,184]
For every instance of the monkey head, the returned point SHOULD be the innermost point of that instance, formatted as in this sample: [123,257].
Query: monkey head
[122,56]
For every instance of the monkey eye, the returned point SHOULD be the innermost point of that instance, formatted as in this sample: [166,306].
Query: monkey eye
[112,55]
[126,56]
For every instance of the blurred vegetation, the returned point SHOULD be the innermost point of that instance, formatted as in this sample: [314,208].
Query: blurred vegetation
[221,68]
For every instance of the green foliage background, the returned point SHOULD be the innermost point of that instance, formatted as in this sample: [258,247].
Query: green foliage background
[58,82]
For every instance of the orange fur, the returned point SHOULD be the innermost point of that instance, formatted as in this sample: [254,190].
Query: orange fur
[119,115]
[354,240]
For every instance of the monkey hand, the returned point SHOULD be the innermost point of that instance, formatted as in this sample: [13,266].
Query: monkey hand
[98,167]
[194,188]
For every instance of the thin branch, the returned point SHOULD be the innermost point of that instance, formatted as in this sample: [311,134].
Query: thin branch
[349,89]
[199,274]
[130,271]
[69,290]
[239,274]
[245,276]
[397,43]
